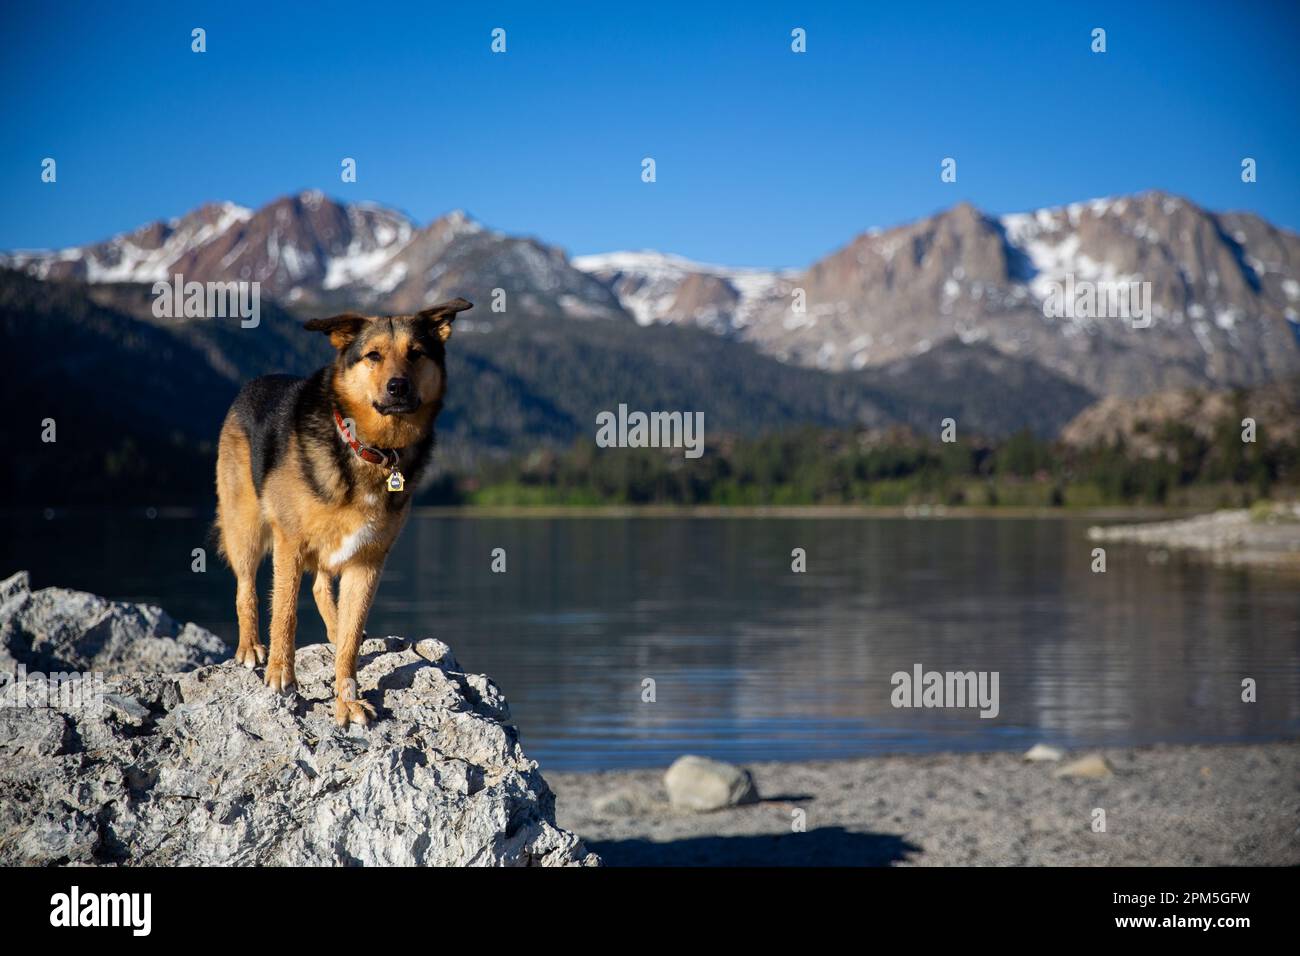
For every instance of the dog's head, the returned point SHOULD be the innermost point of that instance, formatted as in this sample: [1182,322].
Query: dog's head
[390,373]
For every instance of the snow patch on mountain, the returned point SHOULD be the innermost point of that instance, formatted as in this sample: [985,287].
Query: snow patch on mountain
[130,257]
[648,283]
[368,259]
[1050,241]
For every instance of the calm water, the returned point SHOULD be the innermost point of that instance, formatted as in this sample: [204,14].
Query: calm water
[752,661]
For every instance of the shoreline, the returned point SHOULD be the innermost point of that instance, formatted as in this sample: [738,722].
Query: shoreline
[1260,537]
[911,512]
[918,512]
[1166,804]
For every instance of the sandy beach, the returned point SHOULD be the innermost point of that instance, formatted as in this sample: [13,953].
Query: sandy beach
[1168,805]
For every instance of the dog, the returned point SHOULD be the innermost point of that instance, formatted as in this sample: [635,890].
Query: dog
[319,472]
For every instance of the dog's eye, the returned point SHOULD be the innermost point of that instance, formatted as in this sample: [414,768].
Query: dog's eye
[414,354]
[373,356]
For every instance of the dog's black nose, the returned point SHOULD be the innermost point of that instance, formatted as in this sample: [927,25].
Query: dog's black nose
[399,387]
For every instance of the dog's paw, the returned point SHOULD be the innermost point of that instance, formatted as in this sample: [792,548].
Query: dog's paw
[349,707]
[250,655]
[280,677]
[353,712]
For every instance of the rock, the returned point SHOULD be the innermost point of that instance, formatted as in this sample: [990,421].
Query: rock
[1043,752]
[701,784]
[208,767]
[56,630]
[18,583]
[1093,766]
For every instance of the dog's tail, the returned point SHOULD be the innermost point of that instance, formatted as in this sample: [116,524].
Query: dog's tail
[214,539]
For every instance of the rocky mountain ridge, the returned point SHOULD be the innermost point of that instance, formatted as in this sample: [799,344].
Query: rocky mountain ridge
[1223,308]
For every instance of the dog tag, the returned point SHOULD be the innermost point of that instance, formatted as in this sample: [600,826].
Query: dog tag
[395,481]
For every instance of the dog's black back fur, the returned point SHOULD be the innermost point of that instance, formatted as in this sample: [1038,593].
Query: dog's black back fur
[264,409]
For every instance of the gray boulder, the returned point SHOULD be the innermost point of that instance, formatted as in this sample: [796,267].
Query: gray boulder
[208,767]
[60,630]
[700,784]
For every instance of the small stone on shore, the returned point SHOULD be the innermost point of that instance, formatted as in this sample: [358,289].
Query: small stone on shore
[1092,767]
[701,785]
[1043,752]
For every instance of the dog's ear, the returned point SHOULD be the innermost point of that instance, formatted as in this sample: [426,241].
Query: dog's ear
[341,329]
[438,318]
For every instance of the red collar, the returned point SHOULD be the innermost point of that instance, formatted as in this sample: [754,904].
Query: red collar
[376,456]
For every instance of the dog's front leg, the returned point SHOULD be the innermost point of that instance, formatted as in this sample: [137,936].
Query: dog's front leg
[357,585]
[288,564]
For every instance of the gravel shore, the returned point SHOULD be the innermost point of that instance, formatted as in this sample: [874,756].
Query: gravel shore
[1266,536]
[1168,805]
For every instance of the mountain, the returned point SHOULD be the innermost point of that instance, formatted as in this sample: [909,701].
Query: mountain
[302,246]
[1225,290]
[939,318]
[145,255]
[985,391]
[311,252]
[138,400]
[655,287]
[1225,287]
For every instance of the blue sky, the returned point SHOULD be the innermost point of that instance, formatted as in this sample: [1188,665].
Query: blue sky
[764,157]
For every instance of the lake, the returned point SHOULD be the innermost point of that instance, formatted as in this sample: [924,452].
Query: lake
[752,661]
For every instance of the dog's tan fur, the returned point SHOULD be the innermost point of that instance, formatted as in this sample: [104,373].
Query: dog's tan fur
[315,515]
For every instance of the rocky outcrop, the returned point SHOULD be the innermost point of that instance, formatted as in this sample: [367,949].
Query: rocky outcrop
[1151,427]
[57,630]
[206,767]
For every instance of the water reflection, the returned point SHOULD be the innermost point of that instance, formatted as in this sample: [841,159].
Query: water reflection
[752,661]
